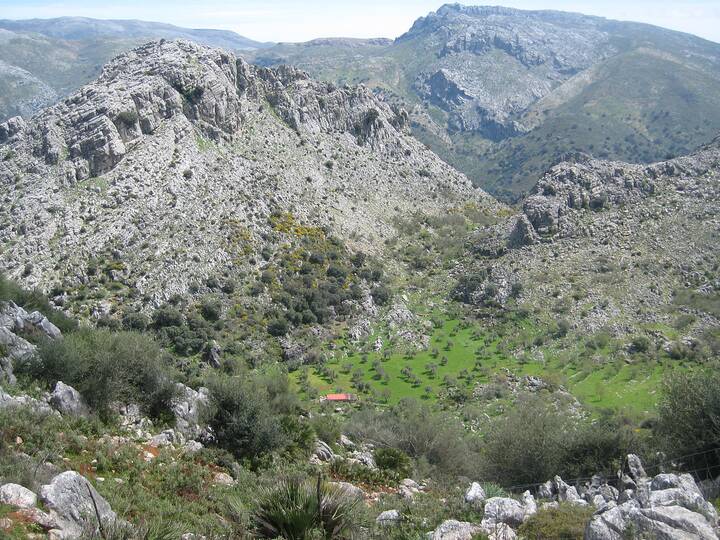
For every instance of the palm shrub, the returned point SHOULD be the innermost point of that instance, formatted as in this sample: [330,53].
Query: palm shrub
[298,509]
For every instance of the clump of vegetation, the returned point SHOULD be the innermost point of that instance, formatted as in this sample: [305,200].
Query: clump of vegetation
[297,509]
[687,417]
[536,440]
[566,522]
[108,367]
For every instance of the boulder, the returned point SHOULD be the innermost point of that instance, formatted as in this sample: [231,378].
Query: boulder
[349,489]
[455,530]
[68,401]
[323,452]
[528,502]
[503,510]
[475,495]
[637,472]
[388,518]
[75,505]
[17,495]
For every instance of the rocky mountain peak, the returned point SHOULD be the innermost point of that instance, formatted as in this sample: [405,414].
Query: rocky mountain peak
[173,162]
[140,90]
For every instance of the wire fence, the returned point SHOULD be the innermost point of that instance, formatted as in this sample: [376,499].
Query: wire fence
[708,469]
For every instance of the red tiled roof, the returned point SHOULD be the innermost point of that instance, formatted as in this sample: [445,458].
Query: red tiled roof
[339,397]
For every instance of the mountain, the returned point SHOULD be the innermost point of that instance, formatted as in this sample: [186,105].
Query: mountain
[181,162]
[43,60]
[500,93]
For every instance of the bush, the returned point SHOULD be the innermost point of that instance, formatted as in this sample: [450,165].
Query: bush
[381,295]
[211,309]
[687,417]
[242,418]
[536,440]
[434,438]
[566,522]
[326,428]
[108,367]
[297,509]
[167,316]
[392,459]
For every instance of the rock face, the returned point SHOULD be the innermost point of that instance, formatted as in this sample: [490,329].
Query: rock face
[666,506]
[168,167]
[14,323]
[75,505]
[188,406]
[604,228]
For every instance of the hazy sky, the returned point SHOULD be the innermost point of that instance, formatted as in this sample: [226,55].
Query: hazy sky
[287,20]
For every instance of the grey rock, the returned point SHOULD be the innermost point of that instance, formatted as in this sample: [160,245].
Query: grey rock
[475,494]
[637,472]
[455,530]
[503,510]
[68,401]
[323,452]
[72,501]
[213,354]
[388,518]
[188,406]
[350,489]
[17,495]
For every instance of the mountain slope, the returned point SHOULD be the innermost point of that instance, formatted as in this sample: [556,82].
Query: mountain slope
[508,89]
[181,162]
[43,60]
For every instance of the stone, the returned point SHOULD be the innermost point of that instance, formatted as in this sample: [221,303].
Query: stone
[503,510]
[323,451]
[17,495]
[74,504]
[529,504]
[388,518]
[475,495]
[350,489]
[213,354]
[223,479]
[68,401]
[637,472]
[455,530]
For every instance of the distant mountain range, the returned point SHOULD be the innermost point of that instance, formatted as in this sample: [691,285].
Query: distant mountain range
[501,93]
[42,60]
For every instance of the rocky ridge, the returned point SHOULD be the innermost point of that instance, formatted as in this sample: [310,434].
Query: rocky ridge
[626,238]
[171,163]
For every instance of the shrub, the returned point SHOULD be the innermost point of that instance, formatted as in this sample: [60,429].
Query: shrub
[435,438]
[326,428]
[278,327]
[108,367]
[241,416]
[297,509]
[211,309]
[536,440]
[566,522]
[381,295]
[687,417]
[135,321]
[392,459]
[167,316]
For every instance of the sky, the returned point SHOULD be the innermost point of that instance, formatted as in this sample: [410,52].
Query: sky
[288,20]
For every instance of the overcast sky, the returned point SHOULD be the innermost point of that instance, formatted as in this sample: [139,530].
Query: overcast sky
[288,20]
